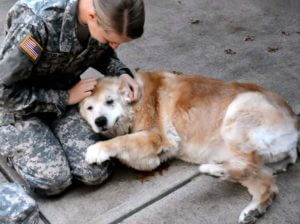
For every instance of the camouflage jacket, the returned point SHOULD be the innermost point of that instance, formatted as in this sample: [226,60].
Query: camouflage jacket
[41,58]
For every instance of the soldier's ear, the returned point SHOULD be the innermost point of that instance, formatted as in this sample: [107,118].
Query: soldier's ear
[91,14]
[86,12]
[89,11]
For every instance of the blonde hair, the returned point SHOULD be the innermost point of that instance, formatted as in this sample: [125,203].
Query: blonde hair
[125,17]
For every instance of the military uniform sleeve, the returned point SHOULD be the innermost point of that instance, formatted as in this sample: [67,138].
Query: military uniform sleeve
[16,93]
[110,64]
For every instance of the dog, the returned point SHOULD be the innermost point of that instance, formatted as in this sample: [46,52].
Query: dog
[239,132]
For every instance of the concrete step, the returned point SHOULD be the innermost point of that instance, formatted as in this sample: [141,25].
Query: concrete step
[7,175]
[208,200]
[125,193]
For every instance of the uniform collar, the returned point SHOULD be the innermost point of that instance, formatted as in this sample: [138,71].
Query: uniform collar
[68,32]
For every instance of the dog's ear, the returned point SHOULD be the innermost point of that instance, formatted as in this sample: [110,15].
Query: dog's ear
[125,91]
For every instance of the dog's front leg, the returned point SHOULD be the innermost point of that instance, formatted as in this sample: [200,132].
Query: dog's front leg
[139,150]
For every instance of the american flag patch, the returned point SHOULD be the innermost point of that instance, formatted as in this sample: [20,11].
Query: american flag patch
[31,47]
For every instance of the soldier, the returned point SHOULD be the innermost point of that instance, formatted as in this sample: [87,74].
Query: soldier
[48,45]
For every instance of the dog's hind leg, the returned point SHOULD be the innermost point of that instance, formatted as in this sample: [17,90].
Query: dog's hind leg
[258,180]
[139,150]
[262,188]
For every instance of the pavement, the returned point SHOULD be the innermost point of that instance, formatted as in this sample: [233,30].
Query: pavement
[255,41]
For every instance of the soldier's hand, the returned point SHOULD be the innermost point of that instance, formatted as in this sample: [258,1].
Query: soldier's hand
[81,90]
[133,85]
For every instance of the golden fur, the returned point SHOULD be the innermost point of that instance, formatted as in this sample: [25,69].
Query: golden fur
[232,130]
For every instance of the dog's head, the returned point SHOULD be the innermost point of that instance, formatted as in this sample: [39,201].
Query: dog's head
[107,110]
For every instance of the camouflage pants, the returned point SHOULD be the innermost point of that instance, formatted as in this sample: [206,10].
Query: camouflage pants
[47,155]
[16,206]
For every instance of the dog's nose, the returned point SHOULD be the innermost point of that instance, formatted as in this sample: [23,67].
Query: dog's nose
[101,121]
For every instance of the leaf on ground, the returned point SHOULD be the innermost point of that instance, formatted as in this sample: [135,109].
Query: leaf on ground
[177,72]
[285,33]
[194,21]
[249,38]
[272,49]
[229,51]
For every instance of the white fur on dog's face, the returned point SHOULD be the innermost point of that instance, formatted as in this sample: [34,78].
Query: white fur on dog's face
[105,109]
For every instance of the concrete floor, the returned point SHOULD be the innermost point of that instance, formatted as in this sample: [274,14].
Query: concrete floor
[201,37]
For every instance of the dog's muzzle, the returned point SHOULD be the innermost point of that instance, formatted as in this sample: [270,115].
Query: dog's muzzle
[101,123]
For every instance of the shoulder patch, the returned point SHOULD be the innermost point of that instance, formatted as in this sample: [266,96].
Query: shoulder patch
[31,47]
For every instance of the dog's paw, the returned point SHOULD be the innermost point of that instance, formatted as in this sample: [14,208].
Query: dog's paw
[212,169]
[249,217]
[94,154]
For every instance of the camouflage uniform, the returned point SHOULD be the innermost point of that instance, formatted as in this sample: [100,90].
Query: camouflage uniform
[43,137]
[16,206]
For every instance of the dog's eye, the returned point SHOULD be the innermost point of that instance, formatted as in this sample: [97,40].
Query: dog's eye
[89,107]
[109,102]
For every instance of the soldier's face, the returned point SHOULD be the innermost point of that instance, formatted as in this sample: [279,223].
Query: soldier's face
[104,36]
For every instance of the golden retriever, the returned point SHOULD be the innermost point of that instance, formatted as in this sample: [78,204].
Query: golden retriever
[236,131]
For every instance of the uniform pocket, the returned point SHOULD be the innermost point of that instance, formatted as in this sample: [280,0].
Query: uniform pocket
[51,62]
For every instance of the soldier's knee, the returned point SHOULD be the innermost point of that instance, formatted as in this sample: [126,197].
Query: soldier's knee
[93,174]
[54,187]
[50,185]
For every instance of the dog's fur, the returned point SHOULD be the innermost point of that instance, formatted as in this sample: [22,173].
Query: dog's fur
[235,131]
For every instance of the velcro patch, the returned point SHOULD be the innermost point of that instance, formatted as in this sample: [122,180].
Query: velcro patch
[31,47]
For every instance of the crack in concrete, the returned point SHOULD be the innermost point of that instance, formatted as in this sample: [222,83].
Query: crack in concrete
[155,199]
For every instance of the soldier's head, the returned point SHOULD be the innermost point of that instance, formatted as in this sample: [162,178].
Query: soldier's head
[115,21]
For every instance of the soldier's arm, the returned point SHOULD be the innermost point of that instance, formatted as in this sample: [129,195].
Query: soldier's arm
[110,64]
[16,94]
